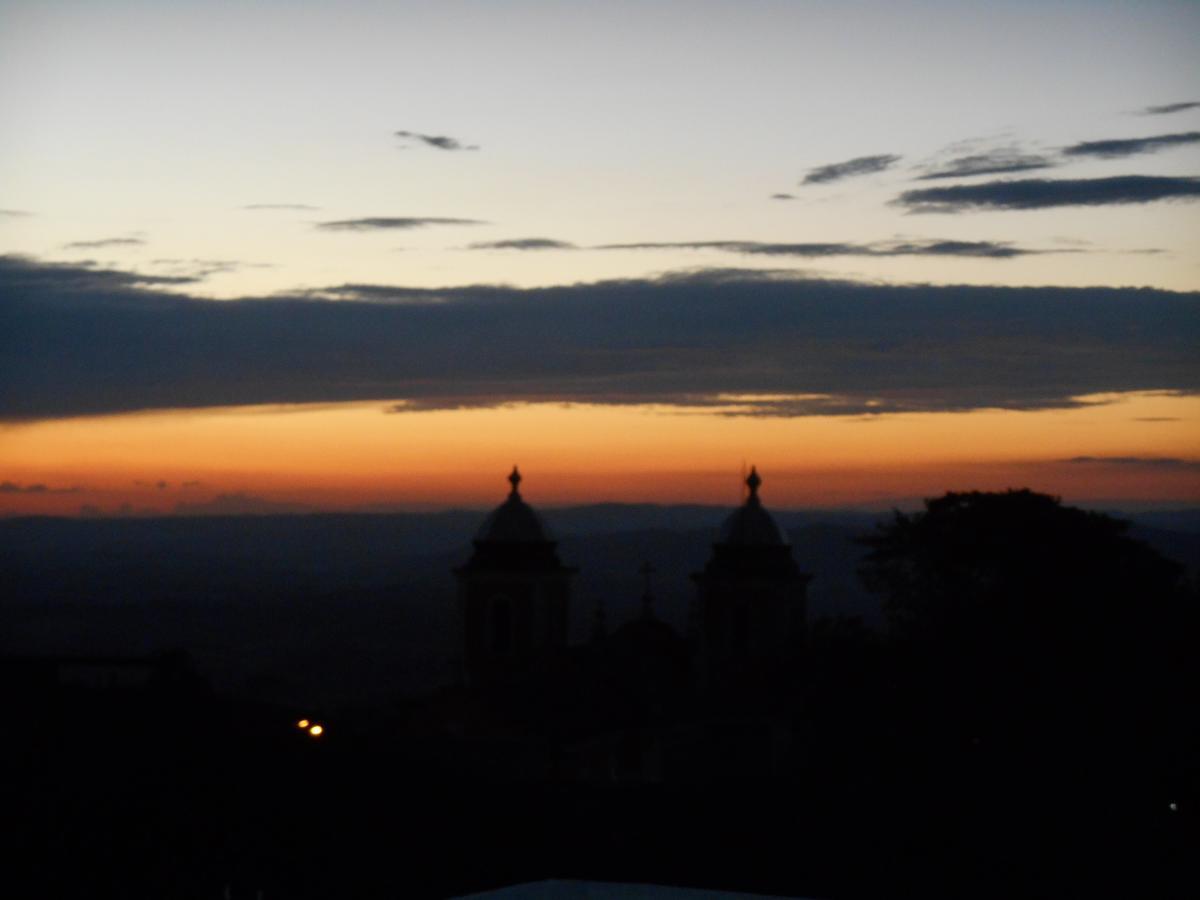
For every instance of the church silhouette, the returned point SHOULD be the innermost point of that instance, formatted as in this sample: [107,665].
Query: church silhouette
[644,702]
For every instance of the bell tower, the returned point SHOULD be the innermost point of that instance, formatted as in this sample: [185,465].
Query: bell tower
[513,593]
[750,604]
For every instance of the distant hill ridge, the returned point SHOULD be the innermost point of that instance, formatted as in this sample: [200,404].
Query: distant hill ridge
[346,603]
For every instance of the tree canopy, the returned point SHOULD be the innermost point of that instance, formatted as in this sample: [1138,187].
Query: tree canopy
[1041,627]
[981,568]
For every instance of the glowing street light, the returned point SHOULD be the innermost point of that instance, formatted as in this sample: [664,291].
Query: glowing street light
[303,723]
[316,730]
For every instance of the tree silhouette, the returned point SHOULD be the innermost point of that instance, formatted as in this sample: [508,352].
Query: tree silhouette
[981,569]
[1042,629]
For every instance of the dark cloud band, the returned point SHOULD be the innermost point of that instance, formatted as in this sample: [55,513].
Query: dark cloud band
[78,341]
[1041,193]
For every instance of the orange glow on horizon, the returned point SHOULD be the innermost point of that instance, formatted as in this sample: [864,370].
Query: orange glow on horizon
[355,456]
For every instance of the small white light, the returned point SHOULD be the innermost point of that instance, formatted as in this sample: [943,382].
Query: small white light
[1173,806]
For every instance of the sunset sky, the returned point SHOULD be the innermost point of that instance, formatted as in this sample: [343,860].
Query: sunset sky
[285,256]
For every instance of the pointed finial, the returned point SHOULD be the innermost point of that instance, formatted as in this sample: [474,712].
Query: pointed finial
[752,482]
[646,571]
[647,598]
[514,479]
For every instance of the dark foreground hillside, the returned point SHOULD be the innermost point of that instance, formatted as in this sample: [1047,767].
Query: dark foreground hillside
[183,794]
[1024,726]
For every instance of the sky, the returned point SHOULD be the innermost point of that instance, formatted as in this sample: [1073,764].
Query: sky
[269,256]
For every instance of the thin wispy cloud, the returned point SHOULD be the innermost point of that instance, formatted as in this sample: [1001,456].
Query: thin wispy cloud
[239,504]
[387,223]
[861,165]
[158,485]
[783,196]
[198,269]
[104,242]
[723,341]
[1167,108]
[437,141]
[998,162]
[524,244]
[294,206]
[1118,149]
[11,487]
[14,214]
[1141,462]
[1039,193]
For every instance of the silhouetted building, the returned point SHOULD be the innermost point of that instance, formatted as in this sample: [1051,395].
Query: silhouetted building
[624,706]
[648,661]
[750,605]
[514,592]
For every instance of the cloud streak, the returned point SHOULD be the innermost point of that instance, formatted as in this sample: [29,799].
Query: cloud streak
[524,244]
[437,141]
[294,206]
[1042,193]
[998,162]
[1119,149]
[860,165]
[77,341]
[399,223]
[941,248]
[1167,108]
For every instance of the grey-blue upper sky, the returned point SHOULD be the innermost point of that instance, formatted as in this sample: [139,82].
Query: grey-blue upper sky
[233,131]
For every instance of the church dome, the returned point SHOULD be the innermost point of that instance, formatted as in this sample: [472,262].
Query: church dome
[751,524]
[513,521]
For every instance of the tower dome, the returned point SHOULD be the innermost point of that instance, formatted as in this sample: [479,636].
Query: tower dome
[751,524]
[513,592]
[513,521]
